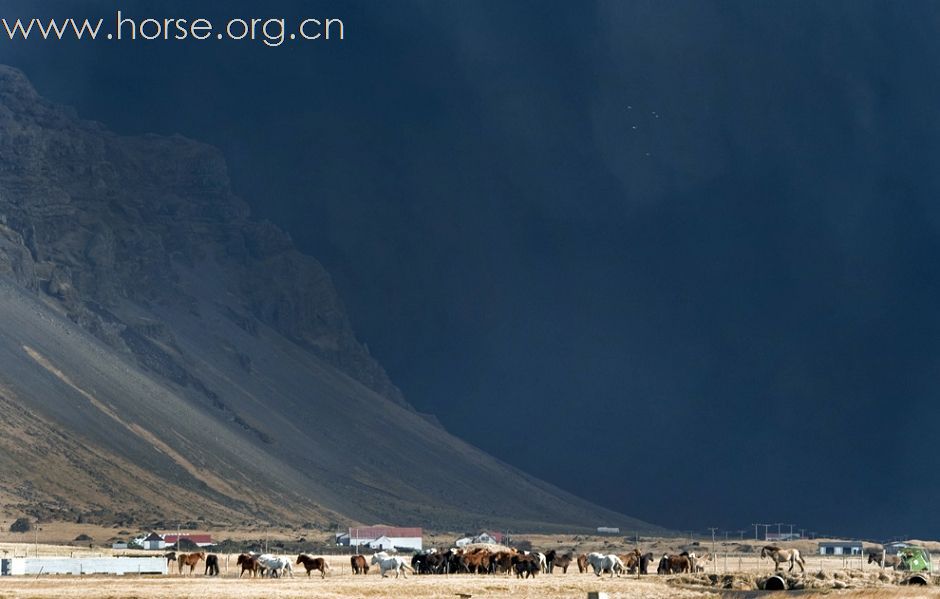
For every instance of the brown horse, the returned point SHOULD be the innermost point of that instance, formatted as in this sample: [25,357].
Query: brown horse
[189,559]
[630,560]
[359,564]
[582,563]
[885,561]
[314,563]
[248,564]
[780,556]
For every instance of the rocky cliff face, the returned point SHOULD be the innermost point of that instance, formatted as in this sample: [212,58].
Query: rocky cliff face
[163,356]
[96,220]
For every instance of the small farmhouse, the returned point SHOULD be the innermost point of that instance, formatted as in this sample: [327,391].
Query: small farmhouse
[840,548]
[153,541]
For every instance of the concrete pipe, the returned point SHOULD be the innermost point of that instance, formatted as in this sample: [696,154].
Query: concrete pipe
[775,583]
[918,579]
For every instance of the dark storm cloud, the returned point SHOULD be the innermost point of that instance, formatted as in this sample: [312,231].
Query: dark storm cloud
[734,300]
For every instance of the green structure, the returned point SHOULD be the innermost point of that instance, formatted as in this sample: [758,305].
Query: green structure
[915,559]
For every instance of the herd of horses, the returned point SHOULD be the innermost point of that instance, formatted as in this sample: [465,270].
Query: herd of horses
[255,564]
[482,560]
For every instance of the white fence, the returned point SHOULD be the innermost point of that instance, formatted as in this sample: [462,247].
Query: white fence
[82,565]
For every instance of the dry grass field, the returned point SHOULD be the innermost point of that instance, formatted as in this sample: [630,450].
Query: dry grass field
[341,584]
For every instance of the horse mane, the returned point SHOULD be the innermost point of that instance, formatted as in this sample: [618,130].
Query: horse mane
[771,548]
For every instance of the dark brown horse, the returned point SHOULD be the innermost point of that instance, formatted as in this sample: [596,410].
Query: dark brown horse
[890,561]
[189,559]
[248,564]
[674,564]
[359,564]
[645,561]
[314,563]
[561,561]
[212,565]
[501,562]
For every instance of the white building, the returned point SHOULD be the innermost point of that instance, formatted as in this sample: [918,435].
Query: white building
[840,548]
[382,537]
[153,541]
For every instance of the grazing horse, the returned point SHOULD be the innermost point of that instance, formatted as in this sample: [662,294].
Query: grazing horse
[780,556]
[501,561]
[212,565]
[189,559]
[582,563]
[560,561]
[359,564]
[675,564]
[249,564]
[274,565]
[525,565]
[543,562]
[477,561]
[602,563]
[550,559]
[885,561]
[645,561]
[314,563]
[387,562]
[631,561]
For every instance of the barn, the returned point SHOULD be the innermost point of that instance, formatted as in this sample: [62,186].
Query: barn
[385,536]
[840,548]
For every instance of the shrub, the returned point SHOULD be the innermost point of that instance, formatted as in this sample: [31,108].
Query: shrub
[21,525]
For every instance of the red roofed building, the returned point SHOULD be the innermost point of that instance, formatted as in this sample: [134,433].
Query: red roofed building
[383,537]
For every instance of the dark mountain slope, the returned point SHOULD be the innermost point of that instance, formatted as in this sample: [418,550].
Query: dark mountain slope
[163,356]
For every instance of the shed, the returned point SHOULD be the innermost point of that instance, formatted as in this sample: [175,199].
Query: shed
[153,541]
[840,548]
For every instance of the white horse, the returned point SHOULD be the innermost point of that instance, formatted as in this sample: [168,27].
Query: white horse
[601,562]
[387,563]
[780,556]
[275,565]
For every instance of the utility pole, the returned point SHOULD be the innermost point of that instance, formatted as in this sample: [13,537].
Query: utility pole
[714,556]
[741,533]
[802,533]
[779,524]
[755,525]
[766,528]
[791,531]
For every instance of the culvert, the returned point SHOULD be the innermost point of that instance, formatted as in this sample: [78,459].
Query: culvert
[775,583]
[917,579]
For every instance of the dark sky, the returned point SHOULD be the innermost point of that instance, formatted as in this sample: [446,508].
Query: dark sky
[677,257]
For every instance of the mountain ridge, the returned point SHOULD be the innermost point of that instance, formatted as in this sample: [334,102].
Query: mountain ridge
[164,347]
